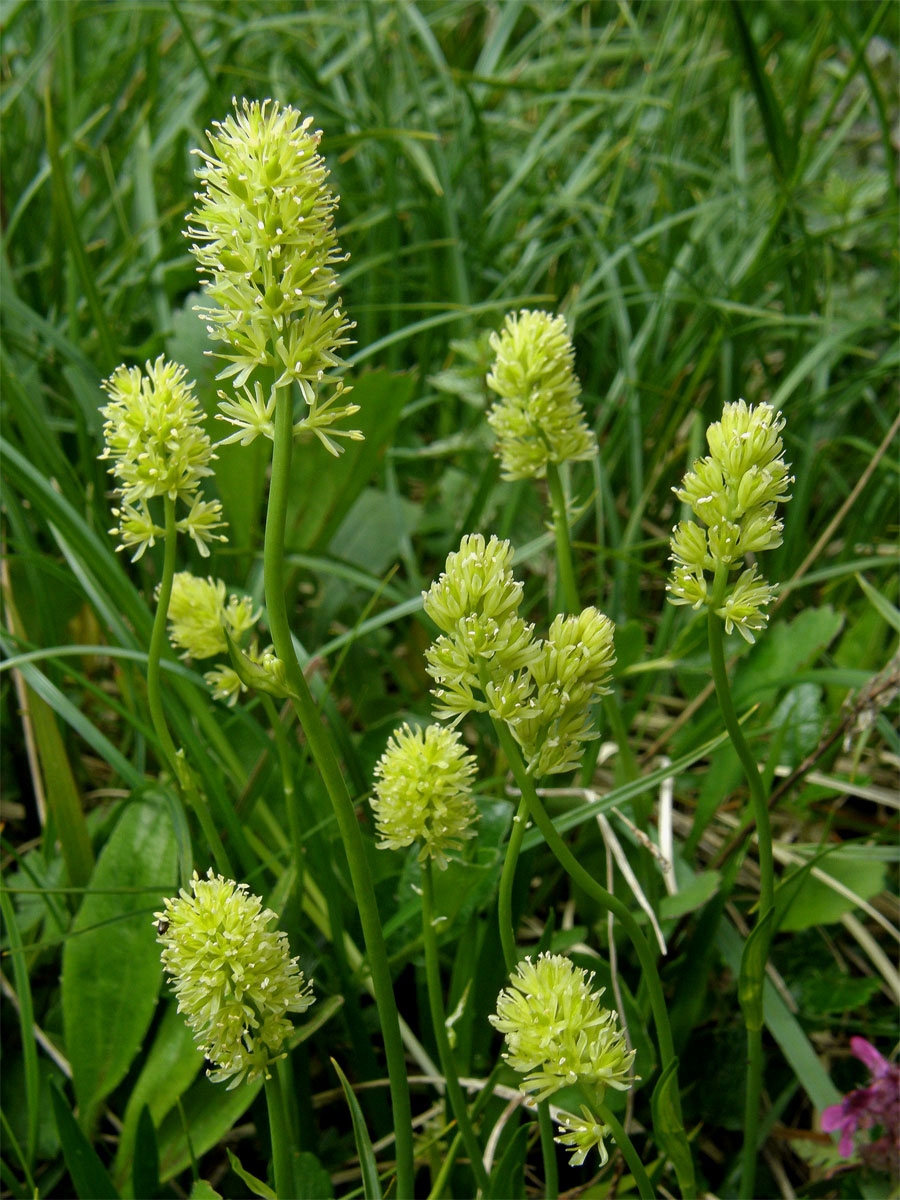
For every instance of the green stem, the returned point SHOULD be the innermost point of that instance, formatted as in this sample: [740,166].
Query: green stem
[571,604]
[287,784]
[760,810]
[623,1141]
[281,1149]
[564,567]
[174,759]
[326,761]
[507,878]
[548,1151]
[607,901]
[439,1023]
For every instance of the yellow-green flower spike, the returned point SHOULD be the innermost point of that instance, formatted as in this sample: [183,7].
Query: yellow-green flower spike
[158,447]
[265,243]
[423,792]
[538,418]
[233,976]
[734,491]
[199,615]
[558,1033]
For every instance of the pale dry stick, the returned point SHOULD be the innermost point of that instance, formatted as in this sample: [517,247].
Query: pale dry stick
[664,824]
[39,1036]
[877,956]
[617,989]
[615,846]
[700,699]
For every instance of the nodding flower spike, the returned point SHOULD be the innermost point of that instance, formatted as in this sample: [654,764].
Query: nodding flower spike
[734,491]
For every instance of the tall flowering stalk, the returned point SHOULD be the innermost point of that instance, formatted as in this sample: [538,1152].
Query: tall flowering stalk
[537,694]
[160,452]
[264,240]
[540,425]
[735,491]
[423,795]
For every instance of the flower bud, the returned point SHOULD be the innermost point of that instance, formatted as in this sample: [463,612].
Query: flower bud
[198,616]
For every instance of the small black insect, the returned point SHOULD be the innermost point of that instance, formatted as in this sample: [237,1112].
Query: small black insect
[162,926]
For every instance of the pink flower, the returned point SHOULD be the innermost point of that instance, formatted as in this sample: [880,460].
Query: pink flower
[877,1105]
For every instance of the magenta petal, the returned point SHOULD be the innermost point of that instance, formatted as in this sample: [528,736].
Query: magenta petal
[846,1144]
[867,1053]
[833,1118]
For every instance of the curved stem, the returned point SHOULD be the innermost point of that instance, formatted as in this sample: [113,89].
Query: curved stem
[623,1141]
[548,1151]
[571,604]
[281,1150]
[609,902]
[760,809]
[439,1023]
[507,878]
[326,761]
[174,758]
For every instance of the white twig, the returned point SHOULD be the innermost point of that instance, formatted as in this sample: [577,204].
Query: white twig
[630,878]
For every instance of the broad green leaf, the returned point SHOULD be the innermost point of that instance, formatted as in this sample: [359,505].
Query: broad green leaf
[368,1165]
[693,895]
[202,1189]
[324,488]
[89,1177]
[818,904]
[208,1110]
[111,968]
[145,1169]
[787,647]
[313,1181]
[171,1066]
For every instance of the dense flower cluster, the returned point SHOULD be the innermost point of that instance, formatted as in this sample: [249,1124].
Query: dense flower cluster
[874,1107]
[201,623]
[734,491]
[158,447]
[559,1034]
[266,247]
[233,976]
[423,792]
[487,659]
[538,418]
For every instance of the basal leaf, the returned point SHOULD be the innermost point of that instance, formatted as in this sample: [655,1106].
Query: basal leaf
[111,969]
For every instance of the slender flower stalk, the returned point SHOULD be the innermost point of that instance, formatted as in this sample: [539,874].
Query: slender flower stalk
[264,239]
[439,1025]
[160,452]
[423,794]
[735,491]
